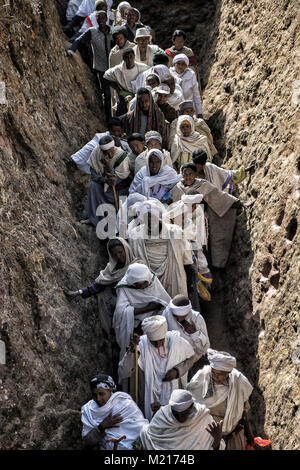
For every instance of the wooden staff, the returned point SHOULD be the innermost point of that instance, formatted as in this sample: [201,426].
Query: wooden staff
[110,175]
[116,441]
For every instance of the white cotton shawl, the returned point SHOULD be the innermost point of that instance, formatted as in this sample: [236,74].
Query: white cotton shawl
[129,298]
[166,433]
[119,402]
[178,350]
[237,394]
[188,144]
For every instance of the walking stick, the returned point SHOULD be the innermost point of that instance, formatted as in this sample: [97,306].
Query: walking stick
[114,191]
[116,441]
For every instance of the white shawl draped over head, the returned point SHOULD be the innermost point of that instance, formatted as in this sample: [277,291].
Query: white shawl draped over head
[165,432]
[194,141]
[133,420]
[143,181]
[129,298]
[236,394]
[155,368]
[110,274]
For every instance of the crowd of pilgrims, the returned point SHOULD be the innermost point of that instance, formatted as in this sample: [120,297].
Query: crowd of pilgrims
[167,389]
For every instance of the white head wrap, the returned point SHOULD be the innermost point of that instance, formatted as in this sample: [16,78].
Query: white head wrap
[180,311]
[180,57]
[192,198]
[107,146]
[181,119]
[162,71]
[138,273]
[153,206]
[155,327]
[153,135]
[181,400]
[221,360]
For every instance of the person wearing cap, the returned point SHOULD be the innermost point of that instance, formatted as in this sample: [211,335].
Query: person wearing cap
[144,50]
[187,140]
[108,416]
[225,391]
[163,358]
[122,76]
[115,129]
[153,140]
[139,295]
[100,39]
[190,324]
[109,167]
[161,95]
[186,107]
[189,83]
[182,424]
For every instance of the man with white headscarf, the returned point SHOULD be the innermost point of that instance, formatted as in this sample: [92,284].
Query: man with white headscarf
[164,357]
[182,424]
[139,295]
[225,391]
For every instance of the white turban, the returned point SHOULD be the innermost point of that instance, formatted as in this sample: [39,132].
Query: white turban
[221,360]
[181,400]
[180,311]
[192,198]
[155,327]
[182,57]
[137,272]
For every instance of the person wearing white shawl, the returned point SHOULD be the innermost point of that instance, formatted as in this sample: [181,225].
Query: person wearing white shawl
[182,425]
[189,82]
[139,295]
[190,324]
[110,415]
[154,179]
[164,357]
[187,140]
[225,391]
[153,140]
[109,167]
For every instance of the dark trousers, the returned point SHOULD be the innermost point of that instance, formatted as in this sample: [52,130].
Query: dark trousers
[105,88]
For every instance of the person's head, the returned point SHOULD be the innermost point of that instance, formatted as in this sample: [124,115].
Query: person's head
[143,100]
[180,62]
[119,34]
[107,145]
[123,9]
[155,328]
[162,94]
[153,140]
[155,159]
[185,127]
[160,58]
[199,158]
[186,108]
[178,39]
[101,18]
[102,387]
[132,16]
[117,250]
[129,58]
[100,5]
[180,307]
[182,403]
[142,38]
[189,173]
[152,80]
[221,364]
[115,127]
[136,143]
[138,276]
[170,81]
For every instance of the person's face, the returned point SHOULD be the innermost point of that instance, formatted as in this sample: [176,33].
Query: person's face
[120,40]
[154,144]
[219,376]
[144,103]
[137,147]
[101,20]
[182,416]
[143,42]
[188,112]
[159,343]
[171,84]
[129,60]
[162,98]
[123,12]
[116,131]
[189,176]
[101,395]
[154,165]
[180,319]
[186,129]
[178,43]
[109,153]
[118,253]
[180,66]
[132,17]
[141,284]
[152,81]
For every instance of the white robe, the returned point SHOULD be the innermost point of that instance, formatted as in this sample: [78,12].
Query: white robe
[133,420]
[190,87]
